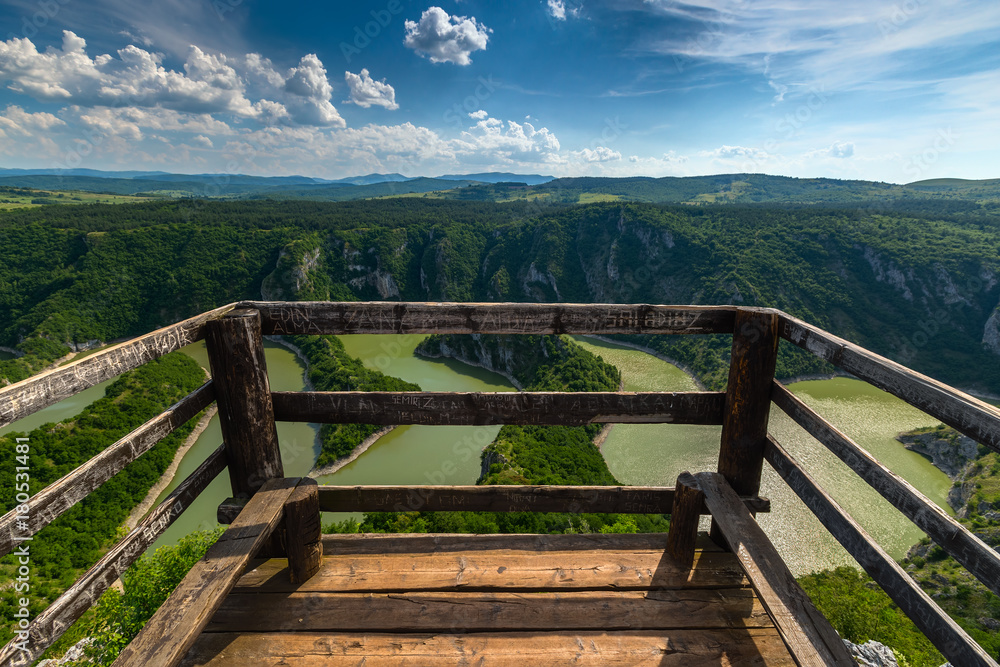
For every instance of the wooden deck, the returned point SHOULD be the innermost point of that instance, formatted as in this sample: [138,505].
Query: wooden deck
[495,600]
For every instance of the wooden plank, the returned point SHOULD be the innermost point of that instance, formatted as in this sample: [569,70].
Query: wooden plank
[480,408]
[748,399]
[976,419]
[953,642]
[683,534]
[677,648]
[303,532]
[71,605]
[434,543]
[236,354]
[809,636]
[501,569]
[952,536]
[504,498]
[56,498]
[325,317]
[31,395]
[168,635]
[487,611]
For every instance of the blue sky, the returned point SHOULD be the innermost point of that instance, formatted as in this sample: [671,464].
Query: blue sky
[893,91]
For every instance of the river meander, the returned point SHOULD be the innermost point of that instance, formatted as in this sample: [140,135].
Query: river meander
[637,454]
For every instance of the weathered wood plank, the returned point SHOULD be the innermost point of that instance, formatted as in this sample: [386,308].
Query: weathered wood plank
[324,317]
[486,611]
[677,648]
[500,569]
[953,642]
[239,371]
[475,408]
[748,399]
[62,494]
[303,532]
[683,533]
[976,419]
[71,605]
[495,498]
[172,630]
[31,395]
[809,636]
[952,536]
[437,543]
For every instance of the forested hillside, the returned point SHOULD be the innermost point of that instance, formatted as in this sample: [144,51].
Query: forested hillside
[920,286]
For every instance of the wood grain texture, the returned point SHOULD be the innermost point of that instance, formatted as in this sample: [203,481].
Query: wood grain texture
[676,648]
[476,408]
[953,642]
[172,630]
[683,533]
[246,415]
[303,532]
[506,498]
[952,536]
[438,543]
[976,419]
[324,317]
[56,498]
[807,633]
[748,399]
[500,569]
[48,626]
[31,395]
[485,611]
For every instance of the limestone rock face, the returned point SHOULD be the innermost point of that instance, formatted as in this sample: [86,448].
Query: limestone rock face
[872,654]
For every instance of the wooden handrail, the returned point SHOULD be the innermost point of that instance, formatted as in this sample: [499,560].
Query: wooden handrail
[494,498]
[976,419]
[949,638]
[949,534]
[40,391]
[337,317]
[48,626]
[478,408]
[46,505]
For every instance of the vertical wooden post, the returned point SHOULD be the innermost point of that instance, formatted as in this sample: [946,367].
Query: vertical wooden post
[239,374]
[748,399]
[683,533]
[302,532]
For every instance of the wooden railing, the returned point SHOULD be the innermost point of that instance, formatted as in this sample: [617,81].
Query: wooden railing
[248,410]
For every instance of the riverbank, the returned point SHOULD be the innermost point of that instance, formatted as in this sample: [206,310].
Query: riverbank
[331,468]
[653,353]
[297,351]
[168,475]
[471,362]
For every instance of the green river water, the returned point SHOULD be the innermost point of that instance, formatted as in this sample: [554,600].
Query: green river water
[639,454]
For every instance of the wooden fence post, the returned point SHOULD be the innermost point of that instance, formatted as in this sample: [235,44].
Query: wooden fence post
[239,374]
[683,533]
[303,532]
[748,399]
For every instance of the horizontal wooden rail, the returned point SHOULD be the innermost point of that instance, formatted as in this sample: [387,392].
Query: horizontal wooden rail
[29,396]
[326,317]
[953,642]
[976,419]
[562,408]
[498,498]
[48,626]
[46,505]
[977,557]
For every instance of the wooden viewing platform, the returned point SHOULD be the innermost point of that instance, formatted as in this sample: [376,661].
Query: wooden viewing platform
[273,590]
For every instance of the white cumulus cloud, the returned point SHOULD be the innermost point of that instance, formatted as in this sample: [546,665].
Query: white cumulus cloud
[558,10]
[444,38]
[366,92]
[597,154]
[479,115]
